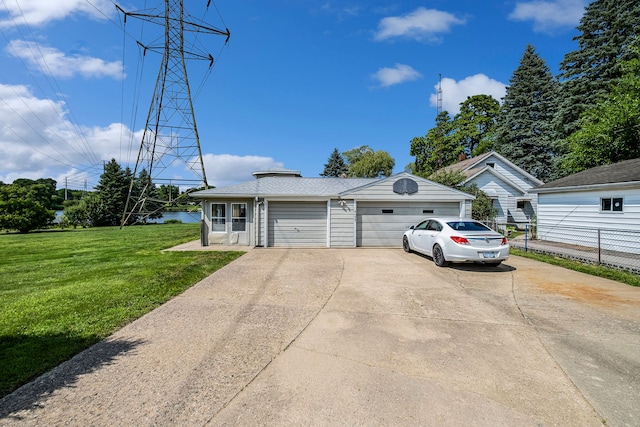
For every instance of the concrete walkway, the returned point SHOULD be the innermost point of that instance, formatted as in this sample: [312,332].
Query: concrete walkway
[319,337]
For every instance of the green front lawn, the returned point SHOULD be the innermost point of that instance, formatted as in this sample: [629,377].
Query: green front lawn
[62,291]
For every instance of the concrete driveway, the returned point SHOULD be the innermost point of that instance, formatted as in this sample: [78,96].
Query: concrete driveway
[355,337]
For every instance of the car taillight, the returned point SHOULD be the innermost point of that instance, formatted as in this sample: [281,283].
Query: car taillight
[460,240]
[504,241]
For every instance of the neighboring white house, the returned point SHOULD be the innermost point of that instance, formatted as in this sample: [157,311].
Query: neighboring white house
[281,208]
[605,198]
[508,185]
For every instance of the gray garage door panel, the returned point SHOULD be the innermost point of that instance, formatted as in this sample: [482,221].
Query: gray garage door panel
[297,224]
[376,228]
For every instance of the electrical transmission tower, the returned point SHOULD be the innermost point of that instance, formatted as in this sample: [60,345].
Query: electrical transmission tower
[170,134]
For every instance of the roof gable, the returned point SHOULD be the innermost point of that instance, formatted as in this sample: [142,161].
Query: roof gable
[473,166]
[489,170]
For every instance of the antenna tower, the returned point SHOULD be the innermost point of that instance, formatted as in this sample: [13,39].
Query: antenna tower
[439,99]
[170,134]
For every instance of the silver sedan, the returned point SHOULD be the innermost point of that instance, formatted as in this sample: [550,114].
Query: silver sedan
[448,240]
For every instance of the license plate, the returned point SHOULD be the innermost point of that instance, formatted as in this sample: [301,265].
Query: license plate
[488,254]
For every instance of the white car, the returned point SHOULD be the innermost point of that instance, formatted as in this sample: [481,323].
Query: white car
[448,240]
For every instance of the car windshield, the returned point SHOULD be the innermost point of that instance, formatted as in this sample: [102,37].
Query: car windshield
[467,226]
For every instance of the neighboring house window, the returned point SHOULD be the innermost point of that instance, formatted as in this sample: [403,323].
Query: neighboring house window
[238,217]
[491,164]
[611,204]
[218,217]
[520,204]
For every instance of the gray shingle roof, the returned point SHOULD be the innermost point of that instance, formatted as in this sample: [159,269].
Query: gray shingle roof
[288,186]
[625,171]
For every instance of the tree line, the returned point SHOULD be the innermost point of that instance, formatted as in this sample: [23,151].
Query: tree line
[550,126]
[27,205]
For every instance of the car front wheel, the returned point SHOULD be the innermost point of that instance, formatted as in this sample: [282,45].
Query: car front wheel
[405,244]
[438,257]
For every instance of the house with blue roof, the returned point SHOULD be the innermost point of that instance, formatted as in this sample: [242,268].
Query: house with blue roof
[280,208]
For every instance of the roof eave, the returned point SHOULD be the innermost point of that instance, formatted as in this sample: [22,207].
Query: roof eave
[586,187]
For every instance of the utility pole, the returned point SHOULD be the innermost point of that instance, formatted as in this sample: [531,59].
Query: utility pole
[170,132]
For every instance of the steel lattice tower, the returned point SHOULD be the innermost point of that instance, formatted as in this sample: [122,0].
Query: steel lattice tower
[170,134]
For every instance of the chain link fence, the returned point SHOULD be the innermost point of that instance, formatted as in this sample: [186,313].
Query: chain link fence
[601,246]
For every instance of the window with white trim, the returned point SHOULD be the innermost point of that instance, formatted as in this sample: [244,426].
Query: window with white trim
[218,217]
[238,217]
[611,204]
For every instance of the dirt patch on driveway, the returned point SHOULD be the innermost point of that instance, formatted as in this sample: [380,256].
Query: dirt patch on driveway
[587,294]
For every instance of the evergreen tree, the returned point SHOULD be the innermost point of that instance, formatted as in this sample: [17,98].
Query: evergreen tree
[607,29]
[437,148]
[525,127]
[610,131]
[112,193]
[474,126]
[335,166]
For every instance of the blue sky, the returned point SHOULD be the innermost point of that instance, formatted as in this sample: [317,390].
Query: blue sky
[297,78]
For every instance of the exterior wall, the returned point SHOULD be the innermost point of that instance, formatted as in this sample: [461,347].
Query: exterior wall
[427,192]
[507,195]
[558,213]
[510,173]
[229,236]
[342,223]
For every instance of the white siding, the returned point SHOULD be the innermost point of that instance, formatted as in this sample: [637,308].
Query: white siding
[560,213]
[507,194]
[510,173]
[301,224]
[427,192]
[342,223]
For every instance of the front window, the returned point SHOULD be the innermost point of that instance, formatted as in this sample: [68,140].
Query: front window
[238,217]
[611,204]
[218,217]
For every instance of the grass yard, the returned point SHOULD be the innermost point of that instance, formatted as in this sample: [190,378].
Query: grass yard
[594,270]
[62,291]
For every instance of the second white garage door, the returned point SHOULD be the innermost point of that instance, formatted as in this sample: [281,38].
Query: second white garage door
[383,224]
[297,224]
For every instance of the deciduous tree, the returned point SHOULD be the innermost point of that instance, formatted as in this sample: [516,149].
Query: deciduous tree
[610,131]
[366,163]
[437,148]
[607,29]
[474,126]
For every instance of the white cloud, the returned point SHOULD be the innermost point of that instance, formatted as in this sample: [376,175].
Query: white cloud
[421,24]
[53,62]
[453,93]
[549,15]
[227,169]
[40,12]
[392,76]
[37,140]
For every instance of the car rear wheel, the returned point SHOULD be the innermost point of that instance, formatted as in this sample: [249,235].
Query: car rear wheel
[438,257]
[405,245]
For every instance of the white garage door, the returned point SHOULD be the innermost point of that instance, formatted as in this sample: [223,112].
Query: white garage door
[383,224]
[297,224]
